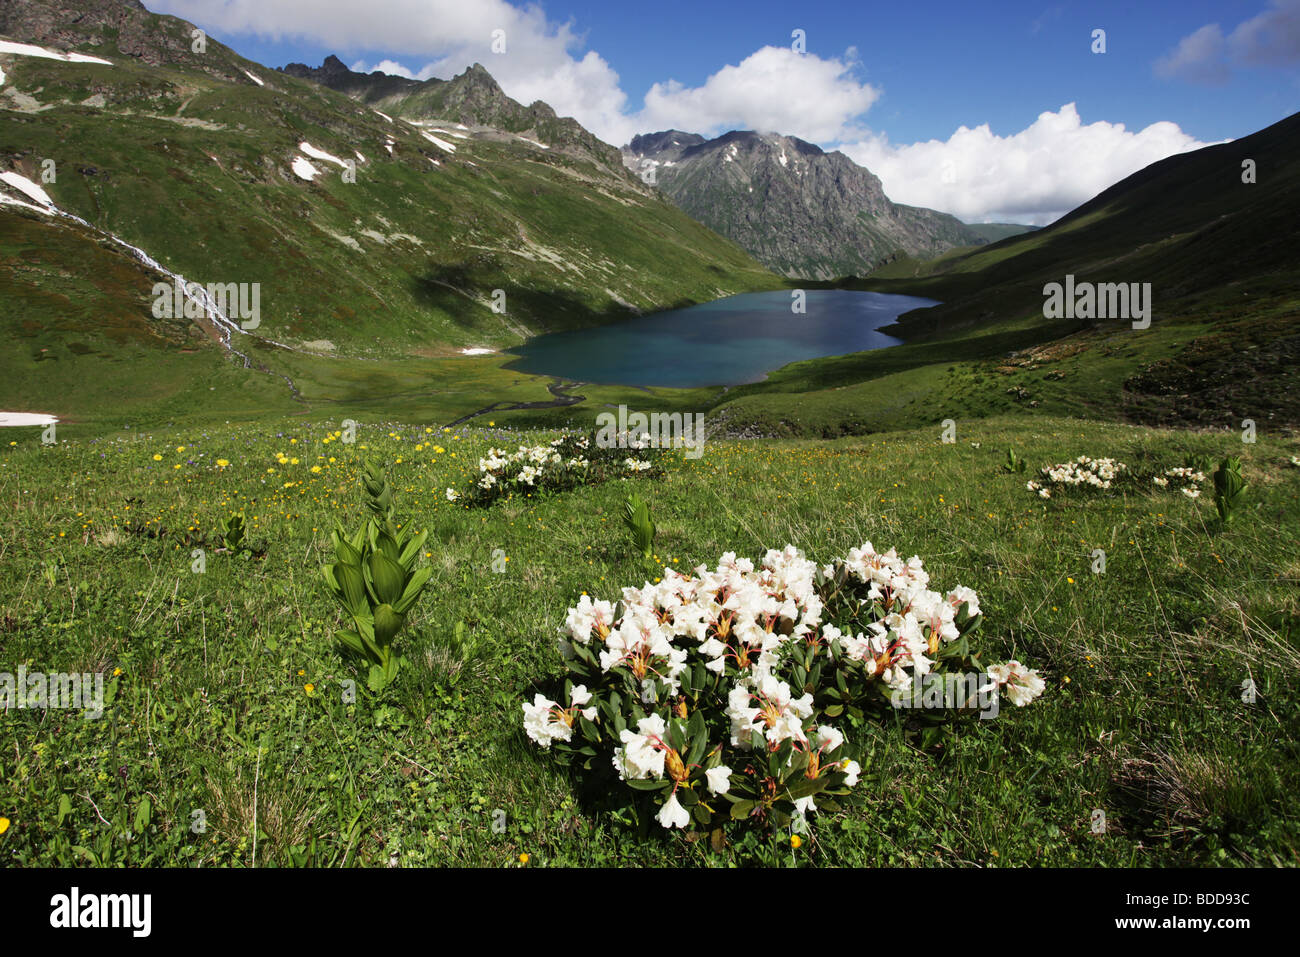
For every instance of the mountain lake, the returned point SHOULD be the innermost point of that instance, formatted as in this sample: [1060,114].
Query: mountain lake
[729,341]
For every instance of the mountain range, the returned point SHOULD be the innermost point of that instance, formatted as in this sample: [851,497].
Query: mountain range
[799,210]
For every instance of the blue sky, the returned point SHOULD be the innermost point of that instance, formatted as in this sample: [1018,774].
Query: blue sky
[891,84]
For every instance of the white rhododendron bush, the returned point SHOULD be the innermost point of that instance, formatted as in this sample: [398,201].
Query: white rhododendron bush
[564,463]
[740,692]
[1105,474]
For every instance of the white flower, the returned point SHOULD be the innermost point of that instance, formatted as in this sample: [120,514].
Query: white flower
[1192,492]
[963,594]
[828,739]
[580,696]
[672,814]
[639,758]
[803,805]
[541,723]
[452,495]
[719,779]
[852,769]
[589,615]
[1022,685]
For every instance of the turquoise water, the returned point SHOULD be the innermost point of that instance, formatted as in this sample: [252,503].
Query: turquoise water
[726,342]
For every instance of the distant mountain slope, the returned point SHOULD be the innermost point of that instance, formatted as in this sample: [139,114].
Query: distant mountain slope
[1187,224]
[225,171]
[801,211]
[472,98]
[996,232]
[1223,344]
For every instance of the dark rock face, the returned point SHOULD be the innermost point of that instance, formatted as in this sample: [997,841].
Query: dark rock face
[117,28]
[796,208]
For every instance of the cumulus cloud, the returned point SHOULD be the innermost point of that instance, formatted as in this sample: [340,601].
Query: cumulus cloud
[774,89]
[1269,39]
[1034,176]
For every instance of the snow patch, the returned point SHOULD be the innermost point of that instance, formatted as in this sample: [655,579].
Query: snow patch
[27,49]
[320,154]
[303,169]
[346,240]
[256,79]
[441,144]
[477,352]
[535,143]
[27,187]
[25,418]
[384,115]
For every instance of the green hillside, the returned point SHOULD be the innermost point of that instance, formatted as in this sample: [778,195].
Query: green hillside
[188,158]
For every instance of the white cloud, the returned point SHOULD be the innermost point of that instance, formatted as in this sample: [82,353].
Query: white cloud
[772,90]
[1271,38]
[1199,57]
[1034,176]
[393,68]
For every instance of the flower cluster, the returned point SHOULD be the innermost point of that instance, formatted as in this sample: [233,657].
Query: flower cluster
[727,693]
[1081,472]
[1105,474]
[1188,478]
[566,462]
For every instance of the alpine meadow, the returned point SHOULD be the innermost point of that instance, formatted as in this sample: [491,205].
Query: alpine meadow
[546,436]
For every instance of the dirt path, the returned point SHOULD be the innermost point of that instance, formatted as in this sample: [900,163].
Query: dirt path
[558,388]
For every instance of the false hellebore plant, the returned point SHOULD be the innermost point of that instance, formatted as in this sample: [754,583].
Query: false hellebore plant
[375,580]
[715,692]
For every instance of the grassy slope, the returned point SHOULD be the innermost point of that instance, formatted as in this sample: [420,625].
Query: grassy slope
[406,258]
[1142,717]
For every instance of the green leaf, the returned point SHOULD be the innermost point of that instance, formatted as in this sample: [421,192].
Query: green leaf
[143,815]
[636,516]
[412,550]
[351,641]
[412,591]
[387,624]
[742,809]
[805,787]
[387,579]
